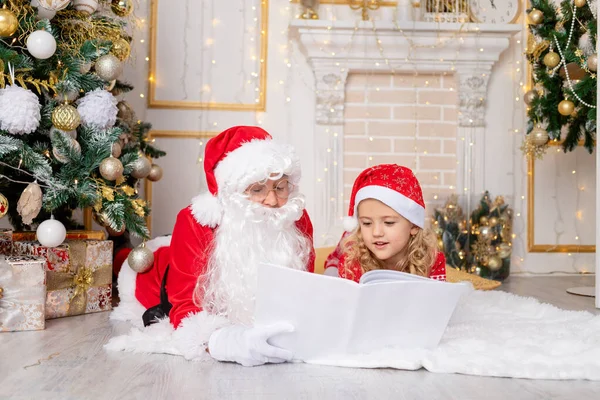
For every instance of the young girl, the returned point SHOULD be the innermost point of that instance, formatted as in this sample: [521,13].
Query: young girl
[385,228]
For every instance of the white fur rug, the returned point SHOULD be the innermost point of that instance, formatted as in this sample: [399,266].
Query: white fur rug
[490,334]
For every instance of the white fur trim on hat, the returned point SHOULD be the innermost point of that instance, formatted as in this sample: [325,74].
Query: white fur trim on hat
[206,209]
[403,205]
[256,161]
[349,223]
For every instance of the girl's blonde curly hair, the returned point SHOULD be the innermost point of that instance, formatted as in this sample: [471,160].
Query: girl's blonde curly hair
[422,251]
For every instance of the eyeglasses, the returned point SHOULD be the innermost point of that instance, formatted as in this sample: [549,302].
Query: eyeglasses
[259,192]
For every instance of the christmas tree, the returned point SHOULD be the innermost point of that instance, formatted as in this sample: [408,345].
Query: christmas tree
[66,142]
[562,52]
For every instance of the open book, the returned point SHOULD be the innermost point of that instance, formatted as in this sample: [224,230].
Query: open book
[335,316]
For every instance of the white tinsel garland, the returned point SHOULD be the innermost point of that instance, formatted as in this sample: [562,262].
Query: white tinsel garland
[98,108]
[19,110]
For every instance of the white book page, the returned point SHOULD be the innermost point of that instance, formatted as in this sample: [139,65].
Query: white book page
[321,308]
[387,275]
[405,314]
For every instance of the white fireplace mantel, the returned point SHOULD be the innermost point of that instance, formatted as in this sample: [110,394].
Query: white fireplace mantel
[334,49]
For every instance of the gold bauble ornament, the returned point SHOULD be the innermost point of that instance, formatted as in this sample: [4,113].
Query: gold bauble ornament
[551,59]
[101,219]
[116,149]
[535,16]
[580,3]
[125,112]
[503,250]
[592,62]
[141,167]
[494,263]
[566,107]
[63,158]
[113,232]
[111,168]
[65,117]
[3,205]
[8,22]
[493,221]
[141,259]
[156,173]
[122,8]
[108,67]
[530,96]
[440,244]
[121,49]
[538,136]
[483,220]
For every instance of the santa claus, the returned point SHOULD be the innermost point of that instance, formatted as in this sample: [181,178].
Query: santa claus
[204,276]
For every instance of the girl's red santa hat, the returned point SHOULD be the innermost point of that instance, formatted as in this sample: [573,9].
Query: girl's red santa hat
[395,186]
[236,158]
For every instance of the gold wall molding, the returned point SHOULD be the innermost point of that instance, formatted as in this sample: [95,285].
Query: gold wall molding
[153,102]
[532,247]
[153,134]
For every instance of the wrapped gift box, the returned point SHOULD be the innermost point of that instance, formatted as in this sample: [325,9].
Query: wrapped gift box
[6,242]
[22,293]
[86,285]
[57,258]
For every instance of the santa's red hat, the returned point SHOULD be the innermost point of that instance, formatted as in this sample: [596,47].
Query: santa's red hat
[395,186]
[236,158]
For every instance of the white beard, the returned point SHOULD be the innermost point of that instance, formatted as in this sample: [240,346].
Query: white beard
[249,234]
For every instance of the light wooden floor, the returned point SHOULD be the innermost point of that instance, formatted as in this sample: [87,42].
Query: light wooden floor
[66,361]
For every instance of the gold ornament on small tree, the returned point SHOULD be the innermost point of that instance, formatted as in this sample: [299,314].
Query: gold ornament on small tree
[111,168]
[535,16]
[580,3]
[156,173]
[551,59]
[494,263]
[122,8]
[566,107]
[539,136]
[530,96]
[113,232]
[8,22]
[65,117]
[121,49]
[141,167]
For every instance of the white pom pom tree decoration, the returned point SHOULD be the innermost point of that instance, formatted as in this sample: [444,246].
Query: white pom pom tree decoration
[19,108]
[98,109]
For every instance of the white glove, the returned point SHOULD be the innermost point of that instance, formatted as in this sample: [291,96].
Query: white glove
[249,346]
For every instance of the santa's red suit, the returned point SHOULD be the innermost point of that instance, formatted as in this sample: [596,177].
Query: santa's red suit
[398,188]
[234,159]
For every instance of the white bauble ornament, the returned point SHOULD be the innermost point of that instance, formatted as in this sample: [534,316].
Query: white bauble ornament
[141,259]
[51,233]
[19,110]
[41,45]
[98,108]
[86,6]
[42,13]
